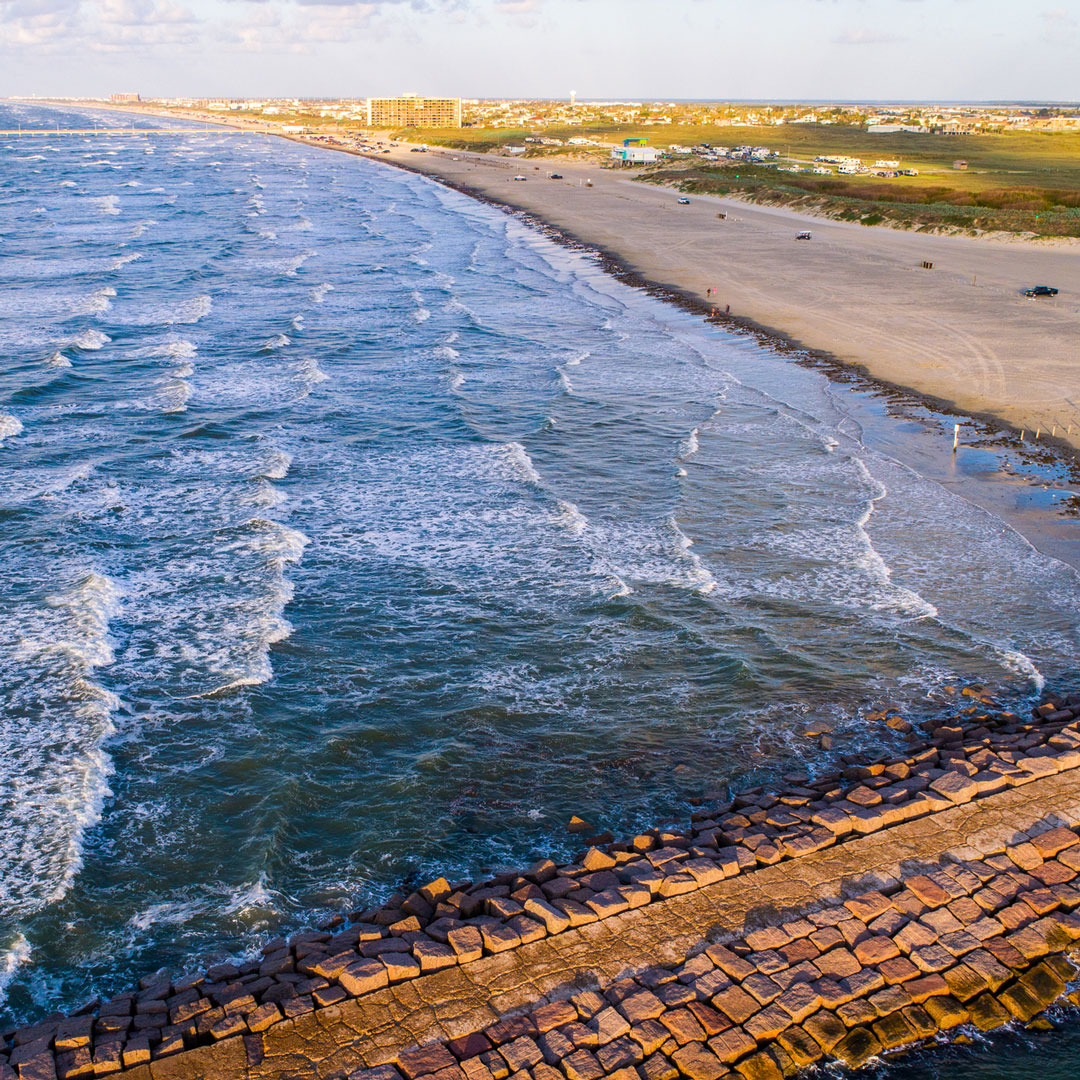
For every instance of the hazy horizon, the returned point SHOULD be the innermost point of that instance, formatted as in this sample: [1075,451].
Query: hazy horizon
[784,50]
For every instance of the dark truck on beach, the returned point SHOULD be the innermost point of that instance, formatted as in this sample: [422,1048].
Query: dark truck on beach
[1041,290]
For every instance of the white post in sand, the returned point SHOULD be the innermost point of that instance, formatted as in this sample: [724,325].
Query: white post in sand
[955,437]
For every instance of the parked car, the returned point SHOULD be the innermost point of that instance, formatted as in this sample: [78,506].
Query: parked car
[684,201]
[520,177]
[804,235]
[417,150]
[1041,290]
[555,176]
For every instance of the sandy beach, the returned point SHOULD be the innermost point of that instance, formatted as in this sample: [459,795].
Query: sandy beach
[962,333]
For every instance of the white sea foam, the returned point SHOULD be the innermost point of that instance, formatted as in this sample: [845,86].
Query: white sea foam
[108,204]
[58,360]
[276,466]
[59,796]
[318,294]
[291,266]
[242,900]
[690,447]
[166,914]
[123,260]
[831,558]
[457,381]
[91,340]
[254,896]
[697,575]
[68,183]
[14,953]
[894,597]
[618,587]
[278,546]
[191,311]
[278,341]
[172,348]
[266,496]
[173,396]
[100,300]
[1018,662]
[565,383]
[297,322]
[421,315]
[517,459]
[141,228]
[571,518]
[574,361]
[10,426]
[310,372]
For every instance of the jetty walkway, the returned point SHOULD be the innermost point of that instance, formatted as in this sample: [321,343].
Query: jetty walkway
[843,918]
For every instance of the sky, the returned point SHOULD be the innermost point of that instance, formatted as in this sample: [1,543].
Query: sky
[604,49]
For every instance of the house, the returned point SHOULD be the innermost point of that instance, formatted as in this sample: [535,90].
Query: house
[635,152]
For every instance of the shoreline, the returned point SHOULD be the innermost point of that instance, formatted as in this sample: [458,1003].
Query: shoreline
[1050,462]
[767,334]
[764,328]
[1038,460]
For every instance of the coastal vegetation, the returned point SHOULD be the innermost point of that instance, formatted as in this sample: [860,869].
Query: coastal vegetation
[930,206]
[1014,181]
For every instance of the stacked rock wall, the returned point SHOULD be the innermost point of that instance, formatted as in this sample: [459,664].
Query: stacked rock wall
[626,917]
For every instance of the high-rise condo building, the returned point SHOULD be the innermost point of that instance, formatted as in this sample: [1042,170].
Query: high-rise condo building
[411,110]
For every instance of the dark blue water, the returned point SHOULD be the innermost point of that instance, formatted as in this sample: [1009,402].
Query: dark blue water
[353,532]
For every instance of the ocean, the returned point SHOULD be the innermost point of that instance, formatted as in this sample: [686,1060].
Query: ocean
[355,532]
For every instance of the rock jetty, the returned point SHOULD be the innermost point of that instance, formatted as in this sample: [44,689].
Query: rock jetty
[845,917]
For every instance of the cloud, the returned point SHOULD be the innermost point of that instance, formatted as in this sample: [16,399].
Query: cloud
[1058,19]
[863,36]
[517,7]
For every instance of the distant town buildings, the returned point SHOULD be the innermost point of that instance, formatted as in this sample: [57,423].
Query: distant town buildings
[123,97]
[411,110]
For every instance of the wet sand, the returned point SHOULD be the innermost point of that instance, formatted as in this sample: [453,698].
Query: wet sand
[961,334]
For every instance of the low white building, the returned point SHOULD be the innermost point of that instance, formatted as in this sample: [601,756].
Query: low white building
[635,155]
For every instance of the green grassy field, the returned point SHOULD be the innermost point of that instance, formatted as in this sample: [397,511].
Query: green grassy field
[1020,181]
